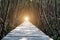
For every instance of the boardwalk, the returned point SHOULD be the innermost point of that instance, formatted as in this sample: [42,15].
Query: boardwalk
[26,31]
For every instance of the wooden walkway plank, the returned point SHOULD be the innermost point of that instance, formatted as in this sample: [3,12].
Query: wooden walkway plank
[26,31]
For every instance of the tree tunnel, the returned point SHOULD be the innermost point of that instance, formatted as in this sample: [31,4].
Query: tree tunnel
[30,10]
[31,13]
[42,13]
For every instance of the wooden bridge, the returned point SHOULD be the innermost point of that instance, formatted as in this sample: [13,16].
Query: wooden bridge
[26,31]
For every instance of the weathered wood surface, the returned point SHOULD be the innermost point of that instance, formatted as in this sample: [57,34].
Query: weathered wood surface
[26,31]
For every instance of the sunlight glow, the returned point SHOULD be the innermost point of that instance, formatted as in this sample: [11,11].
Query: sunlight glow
[26,18]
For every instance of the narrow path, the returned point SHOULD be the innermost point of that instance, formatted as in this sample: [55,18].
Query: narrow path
[26,31]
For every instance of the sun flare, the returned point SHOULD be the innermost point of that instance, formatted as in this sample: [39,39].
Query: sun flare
[26,18]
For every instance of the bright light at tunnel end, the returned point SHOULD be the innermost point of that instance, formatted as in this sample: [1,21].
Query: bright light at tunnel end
[26,19]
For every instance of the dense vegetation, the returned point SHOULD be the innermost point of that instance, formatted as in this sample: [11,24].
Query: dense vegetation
[45,14]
